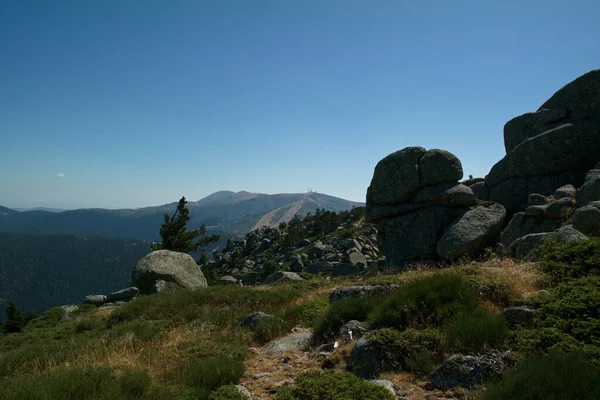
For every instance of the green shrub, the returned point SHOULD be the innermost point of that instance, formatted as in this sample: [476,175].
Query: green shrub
[556,376]
[567,319]
[571,260]
[74,383]
[307,312]
[268,329]
[87,325]
[134,383]
[210,373]
[227,392]
[342,311]
[433,300]
[328,385]
[471,332]
[140,329]
[411,350]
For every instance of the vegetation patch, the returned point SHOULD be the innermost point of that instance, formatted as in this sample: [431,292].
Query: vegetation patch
[471,332]
[74,383]
[430,301]
[571,260]
[328,385]
[209,374]
[567,318]
[342,311]
[556,376]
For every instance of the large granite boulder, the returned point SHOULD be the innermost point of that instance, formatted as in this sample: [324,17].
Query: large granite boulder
[527,248]
[396,177]
[415,196]
[471,232]
[178,270]
[550,148]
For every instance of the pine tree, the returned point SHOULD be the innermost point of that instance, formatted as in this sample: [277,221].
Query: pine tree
[15,321]
[176,237]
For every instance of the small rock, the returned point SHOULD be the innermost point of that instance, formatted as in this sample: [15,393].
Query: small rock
[282,276]
[567,191]
[97,299]
[386,384]
[295,341]
[535,199]
[468,371]
[123,294]
[535,211]
[228,280]
[252,320]
[352,330]
[243,391]
[158,286]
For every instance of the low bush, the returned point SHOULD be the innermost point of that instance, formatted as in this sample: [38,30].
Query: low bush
[328,385]
[227,392]
[342,311]
[412,350]
[211,373]
[566,319]
[268,329]
[430,301]
[556,376]
[72,383]
[571,260]
[470,332]
[134,383]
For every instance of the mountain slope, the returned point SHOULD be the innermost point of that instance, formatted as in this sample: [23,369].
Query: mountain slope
[43,271]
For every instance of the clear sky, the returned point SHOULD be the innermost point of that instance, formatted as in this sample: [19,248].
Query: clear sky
[133,103]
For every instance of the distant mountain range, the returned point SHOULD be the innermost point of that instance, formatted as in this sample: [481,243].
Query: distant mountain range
[49,258]
[223,212]
[54,210]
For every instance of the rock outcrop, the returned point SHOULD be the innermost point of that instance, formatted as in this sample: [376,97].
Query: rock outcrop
[178,270]
[423,211]
[552,147]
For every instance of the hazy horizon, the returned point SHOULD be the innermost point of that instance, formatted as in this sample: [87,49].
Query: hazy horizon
[131,104]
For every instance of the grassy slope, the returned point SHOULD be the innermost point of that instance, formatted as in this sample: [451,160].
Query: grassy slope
[167,334]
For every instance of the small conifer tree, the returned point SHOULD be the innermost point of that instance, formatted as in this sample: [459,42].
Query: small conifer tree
[176,237]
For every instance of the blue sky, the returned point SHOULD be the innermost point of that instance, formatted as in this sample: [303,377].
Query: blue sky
[137,103]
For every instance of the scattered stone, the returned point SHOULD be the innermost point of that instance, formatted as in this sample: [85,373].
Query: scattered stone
[319,267]
[179,269]
[228,280]
[296,265]
[107,305]
[158,286]
[67,310]
[123,294]
[535,199]
[468,371]
[352,330]
[295,341]
[535,211]
[243,391]
[97,299]
[566,191]
[356,258]
[561,209]
[251,321]
[282,276]
[386,384]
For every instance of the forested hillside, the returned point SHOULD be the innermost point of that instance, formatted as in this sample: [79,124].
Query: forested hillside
[43,271]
